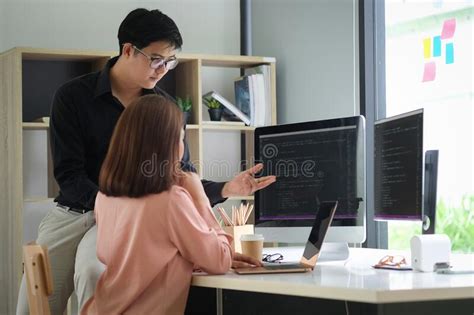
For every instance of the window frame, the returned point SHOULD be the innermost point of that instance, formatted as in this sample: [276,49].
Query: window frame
[372,101]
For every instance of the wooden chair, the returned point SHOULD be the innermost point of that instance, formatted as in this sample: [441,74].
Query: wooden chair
[38,278]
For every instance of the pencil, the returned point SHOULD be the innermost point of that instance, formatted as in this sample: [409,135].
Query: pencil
[224,216]
[247,215]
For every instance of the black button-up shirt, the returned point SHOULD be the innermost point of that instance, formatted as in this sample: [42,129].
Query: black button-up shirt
[83,117]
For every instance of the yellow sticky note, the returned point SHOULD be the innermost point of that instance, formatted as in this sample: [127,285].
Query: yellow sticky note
[427,47]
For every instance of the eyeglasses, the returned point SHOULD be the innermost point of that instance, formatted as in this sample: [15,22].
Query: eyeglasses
[158,62]
[272,257]
[391,261]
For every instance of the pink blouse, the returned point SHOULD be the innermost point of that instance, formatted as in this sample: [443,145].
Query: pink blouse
[149,246]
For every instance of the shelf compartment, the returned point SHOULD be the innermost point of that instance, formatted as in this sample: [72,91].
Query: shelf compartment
[42,77]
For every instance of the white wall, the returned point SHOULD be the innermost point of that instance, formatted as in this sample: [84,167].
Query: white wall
[316,49]
[207,26]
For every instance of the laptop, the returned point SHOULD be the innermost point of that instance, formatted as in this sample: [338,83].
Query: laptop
[311,251]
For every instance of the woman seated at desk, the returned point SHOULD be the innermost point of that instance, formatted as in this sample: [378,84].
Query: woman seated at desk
[154,221]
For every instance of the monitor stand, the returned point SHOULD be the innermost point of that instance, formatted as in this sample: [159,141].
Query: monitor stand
[334,251]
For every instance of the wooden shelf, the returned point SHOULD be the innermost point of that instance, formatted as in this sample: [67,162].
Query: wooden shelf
[35,126]
[29,53]
[224,126]
[192,127]
[45,126]
[234,61]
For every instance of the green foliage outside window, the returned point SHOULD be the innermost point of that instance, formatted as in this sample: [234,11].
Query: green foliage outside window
[456,222]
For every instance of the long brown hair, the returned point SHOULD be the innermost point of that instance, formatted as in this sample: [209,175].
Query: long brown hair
[143,154]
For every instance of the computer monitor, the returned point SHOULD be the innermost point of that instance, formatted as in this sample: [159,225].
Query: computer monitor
[314,162]
[398,167]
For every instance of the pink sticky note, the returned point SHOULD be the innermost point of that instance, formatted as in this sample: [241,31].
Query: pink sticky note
[449,26]
[430,72]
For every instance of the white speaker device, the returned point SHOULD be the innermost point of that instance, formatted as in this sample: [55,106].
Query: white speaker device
[429,249]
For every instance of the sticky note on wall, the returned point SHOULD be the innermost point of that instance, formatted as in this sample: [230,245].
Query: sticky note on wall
[449,27]
[429,74]
[427,48]
[449,53]
[436,46]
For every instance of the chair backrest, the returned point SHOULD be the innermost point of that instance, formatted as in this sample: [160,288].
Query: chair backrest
[38,278]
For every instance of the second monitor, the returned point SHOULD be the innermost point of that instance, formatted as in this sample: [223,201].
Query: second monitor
[314,162]
[398,167]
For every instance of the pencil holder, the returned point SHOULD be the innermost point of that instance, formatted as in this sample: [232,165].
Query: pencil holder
[237,231]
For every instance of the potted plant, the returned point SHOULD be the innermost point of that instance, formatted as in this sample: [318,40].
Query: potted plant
[185,104]
[214,108]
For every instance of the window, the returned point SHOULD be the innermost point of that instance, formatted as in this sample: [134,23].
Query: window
[429,64]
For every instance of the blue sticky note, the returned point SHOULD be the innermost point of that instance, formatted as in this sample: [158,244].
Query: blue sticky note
[449,53]
[436,46]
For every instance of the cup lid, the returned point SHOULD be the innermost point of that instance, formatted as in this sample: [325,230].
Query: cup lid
[251,237]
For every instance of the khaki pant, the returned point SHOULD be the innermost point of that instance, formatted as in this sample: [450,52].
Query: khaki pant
[71,241]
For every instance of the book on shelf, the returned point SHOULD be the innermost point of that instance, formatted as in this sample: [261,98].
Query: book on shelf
[228,105]
[265,71]
[227,115]
[258,85]
[242,94]
[251,98]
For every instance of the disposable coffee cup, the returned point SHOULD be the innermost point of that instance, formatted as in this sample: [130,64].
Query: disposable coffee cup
[252,245]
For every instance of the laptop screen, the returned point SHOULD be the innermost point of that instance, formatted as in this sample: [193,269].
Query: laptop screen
[318,232]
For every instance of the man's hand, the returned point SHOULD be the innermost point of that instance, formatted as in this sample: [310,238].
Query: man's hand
[242,261]
[246,184]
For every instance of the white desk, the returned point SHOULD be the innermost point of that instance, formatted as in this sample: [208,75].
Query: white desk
[354,280]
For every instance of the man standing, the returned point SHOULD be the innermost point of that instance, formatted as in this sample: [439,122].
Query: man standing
[84,113]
